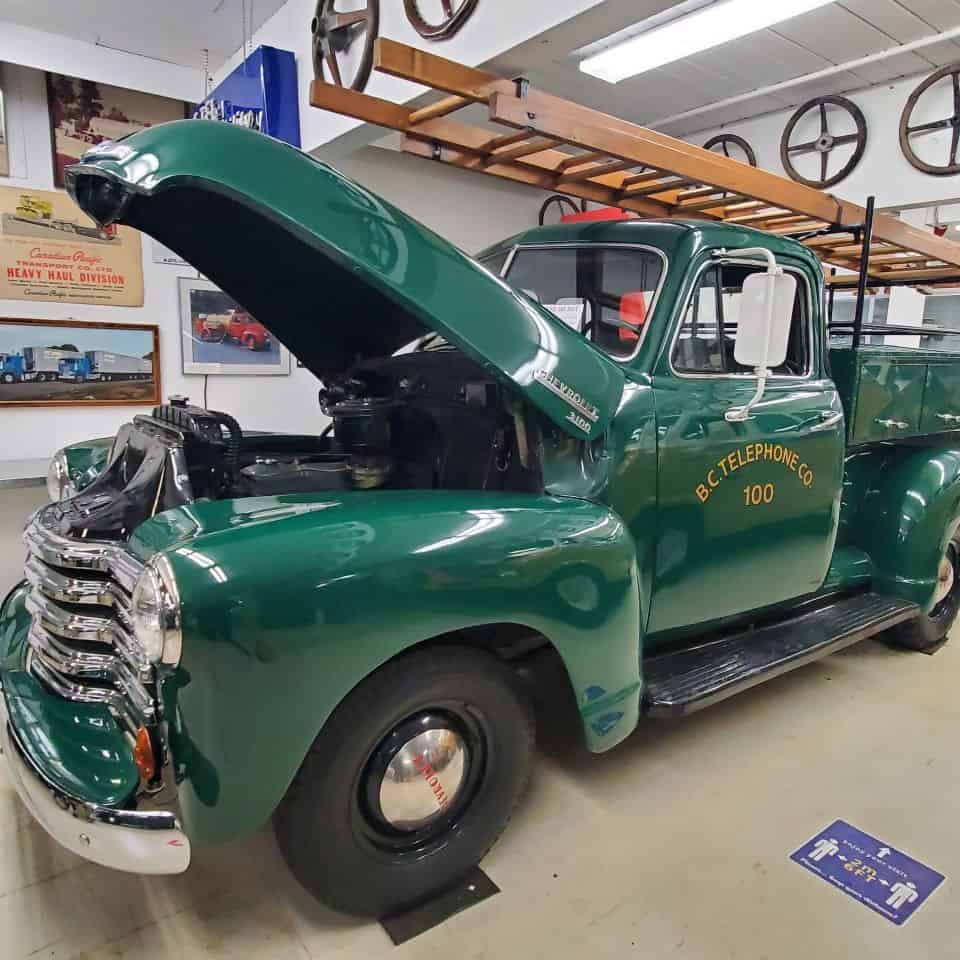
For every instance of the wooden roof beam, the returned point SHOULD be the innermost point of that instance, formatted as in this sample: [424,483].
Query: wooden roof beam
[598,170]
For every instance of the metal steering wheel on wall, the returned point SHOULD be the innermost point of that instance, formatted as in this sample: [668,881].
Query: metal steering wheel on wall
[727,140]
[909,132]
[335,33]
[454,17]
[825,143]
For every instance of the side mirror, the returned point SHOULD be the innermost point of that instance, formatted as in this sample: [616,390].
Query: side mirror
[763,329]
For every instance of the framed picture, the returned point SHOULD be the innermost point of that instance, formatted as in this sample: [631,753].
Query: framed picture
[83,113]
[4,152]
[61,363]
[219,336]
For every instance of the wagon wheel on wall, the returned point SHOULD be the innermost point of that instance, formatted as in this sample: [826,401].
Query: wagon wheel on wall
[455,15]
[336,33]
[911,131]
[825,142]
[732,146]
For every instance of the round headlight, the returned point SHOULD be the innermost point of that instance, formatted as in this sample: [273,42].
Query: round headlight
[156,613]
[59,486]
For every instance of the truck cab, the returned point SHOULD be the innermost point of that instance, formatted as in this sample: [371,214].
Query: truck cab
[627,451]
[11,368]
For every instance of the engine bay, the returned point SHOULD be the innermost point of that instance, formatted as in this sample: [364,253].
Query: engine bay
[431,419]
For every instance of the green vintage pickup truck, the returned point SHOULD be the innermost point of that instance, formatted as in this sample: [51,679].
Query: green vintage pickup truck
[629,448]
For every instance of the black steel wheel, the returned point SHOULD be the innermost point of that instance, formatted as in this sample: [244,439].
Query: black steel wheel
[928,631]
[826,142]
[335,33]
[909,132]
[410,782]
[726,142]
[454,15]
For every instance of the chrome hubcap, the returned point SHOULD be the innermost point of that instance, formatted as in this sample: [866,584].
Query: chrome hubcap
[423,778]
[945,578]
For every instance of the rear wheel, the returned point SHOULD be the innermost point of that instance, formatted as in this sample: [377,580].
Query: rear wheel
[929,630]
[410,782]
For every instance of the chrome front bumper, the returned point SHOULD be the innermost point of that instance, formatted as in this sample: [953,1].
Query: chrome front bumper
[131,840]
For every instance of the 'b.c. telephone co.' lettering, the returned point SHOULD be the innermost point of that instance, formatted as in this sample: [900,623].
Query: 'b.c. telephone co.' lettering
[753,453]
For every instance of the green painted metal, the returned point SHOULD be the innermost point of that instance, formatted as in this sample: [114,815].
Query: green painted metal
[354,579]
[909,505]
[86,460]
[333,270]
[941,398]
[79,747]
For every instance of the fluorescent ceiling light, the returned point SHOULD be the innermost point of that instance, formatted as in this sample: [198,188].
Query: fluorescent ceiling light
[719,23]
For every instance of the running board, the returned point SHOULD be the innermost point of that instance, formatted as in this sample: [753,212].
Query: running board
[696,677]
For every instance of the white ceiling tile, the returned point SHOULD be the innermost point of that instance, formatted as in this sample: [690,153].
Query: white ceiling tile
[942,53]
[940,14]
[834,33]
[890,17]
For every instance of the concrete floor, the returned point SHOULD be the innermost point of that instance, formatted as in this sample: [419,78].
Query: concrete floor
[675,844]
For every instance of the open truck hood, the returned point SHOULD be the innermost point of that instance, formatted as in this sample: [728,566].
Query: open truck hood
[334,271]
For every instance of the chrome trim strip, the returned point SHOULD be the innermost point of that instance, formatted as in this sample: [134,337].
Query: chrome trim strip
[573,244]
[57,665]
[58,586]
[138,841]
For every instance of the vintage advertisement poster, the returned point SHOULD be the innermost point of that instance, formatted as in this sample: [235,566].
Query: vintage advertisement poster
[50,250]
[84,113]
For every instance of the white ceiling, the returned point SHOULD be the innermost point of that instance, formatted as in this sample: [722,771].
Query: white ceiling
[173,30]
[837,33]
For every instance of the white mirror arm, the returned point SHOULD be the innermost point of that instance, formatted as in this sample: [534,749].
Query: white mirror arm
[738,414]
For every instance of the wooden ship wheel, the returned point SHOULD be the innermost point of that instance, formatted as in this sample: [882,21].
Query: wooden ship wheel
[455,15]
[910,131]
[724,142]
[335,33]
[825,143]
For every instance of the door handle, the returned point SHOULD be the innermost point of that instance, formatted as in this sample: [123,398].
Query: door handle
[892,424]
[829,418]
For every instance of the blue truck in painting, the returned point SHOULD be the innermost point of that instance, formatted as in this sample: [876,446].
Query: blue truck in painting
[11,367]
[104,365]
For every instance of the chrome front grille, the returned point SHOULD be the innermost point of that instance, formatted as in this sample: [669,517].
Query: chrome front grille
[82,645]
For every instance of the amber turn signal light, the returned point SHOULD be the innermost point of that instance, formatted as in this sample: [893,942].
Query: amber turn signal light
[143,755]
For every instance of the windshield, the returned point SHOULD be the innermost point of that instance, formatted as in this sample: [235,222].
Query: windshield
[605,293]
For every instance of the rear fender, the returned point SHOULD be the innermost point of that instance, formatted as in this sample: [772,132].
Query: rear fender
[288,603]
[909,509]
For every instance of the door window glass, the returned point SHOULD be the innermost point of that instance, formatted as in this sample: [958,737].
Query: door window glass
[708,332]
[605,293]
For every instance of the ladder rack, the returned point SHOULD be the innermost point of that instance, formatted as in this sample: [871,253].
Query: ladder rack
[562,146]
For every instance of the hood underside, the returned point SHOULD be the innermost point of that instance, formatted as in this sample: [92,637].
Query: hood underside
[336,273]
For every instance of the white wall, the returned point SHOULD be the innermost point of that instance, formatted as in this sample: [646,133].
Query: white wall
[883,171]
[471,211]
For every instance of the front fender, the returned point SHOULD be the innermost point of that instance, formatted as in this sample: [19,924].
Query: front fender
[910,506]
[289,602]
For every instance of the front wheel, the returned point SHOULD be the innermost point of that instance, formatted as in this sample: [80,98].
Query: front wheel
[410,782]
[929,630]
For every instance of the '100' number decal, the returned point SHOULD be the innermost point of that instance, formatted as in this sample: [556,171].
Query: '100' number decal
[754,494]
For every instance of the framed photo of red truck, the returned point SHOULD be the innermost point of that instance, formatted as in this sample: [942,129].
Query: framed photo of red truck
[60,363]
[220,336]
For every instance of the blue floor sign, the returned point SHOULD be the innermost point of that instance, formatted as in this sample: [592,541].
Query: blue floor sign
[882,878]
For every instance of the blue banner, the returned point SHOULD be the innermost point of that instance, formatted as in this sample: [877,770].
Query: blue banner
[261,94]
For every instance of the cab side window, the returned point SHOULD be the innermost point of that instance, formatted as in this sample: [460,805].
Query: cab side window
[708,331]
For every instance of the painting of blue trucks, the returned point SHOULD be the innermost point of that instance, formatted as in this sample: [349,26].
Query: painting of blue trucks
[47,362]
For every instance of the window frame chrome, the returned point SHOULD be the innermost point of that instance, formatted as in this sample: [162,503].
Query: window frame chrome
[731,258]
[613,245]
